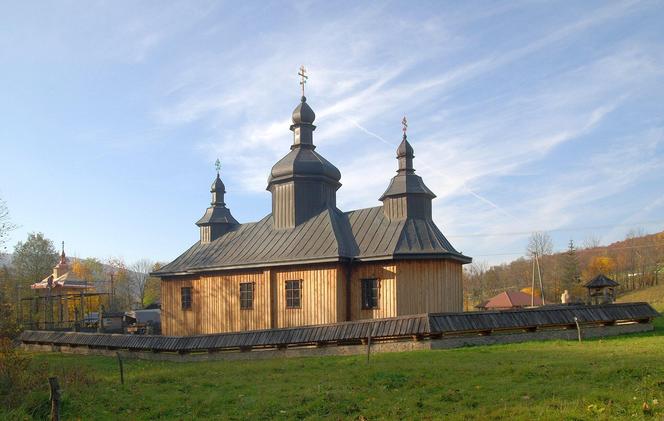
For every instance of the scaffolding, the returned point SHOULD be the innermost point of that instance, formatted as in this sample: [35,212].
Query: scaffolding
[69,311]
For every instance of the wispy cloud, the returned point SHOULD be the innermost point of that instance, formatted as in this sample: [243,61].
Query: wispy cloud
[364,78]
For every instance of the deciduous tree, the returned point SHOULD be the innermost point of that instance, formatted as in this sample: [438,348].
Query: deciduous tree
[34,259]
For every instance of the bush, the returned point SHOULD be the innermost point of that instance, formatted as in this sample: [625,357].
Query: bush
[18,377]
[8,326]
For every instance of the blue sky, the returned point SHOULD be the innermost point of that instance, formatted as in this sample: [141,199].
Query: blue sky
[523,115]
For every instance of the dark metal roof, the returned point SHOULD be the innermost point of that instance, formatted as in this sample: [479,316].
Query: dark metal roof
[304,161]
[421,325]
[217,213]
[601,281]
[406,182]
[363,234]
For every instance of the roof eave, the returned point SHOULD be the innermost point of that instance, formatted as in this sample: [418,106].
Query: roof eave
[196,271]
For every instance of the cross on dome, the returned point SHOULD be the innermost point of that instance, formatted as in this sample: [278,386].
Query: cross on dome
[303,77]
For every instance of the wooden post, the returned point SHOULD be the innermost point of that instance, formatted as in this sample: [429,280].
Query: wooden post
[76,325]
[61,311]
[371,332]
[100,320]
[82,306]
[55,398]
[121,368]
[578,327]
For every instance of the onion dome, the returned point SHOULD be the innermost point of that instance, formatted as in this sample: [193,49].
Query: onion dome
[218,189]
[407,196]
[302,183]
[217,219]
[303,113]
[302,160]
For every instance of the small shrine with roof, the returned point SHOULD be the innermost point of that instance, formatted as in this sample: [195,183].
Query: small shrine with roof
[308,262]
[62,281]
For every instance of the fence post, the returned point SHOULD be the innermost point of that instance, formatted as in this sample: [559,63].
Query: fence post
[121,368]
[55,398]
[100,320]
[578,327]
[371,333]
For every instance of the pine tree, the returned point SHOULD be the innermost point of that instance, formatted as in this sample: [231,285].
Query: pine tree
[572,273]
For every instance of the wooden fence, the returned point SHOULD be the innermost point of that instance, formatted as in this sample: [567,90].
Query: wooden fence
[418,327]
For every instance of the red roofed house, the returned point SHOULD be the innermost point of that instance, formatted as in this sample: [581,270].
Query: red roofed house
[509,300]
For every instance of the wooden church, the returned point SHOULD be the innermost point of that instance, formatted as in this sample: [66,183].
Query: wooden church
[307,262]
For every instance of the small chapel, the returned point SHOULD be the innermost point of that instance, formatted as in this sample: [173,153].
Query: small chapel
[308,262]
[63,281]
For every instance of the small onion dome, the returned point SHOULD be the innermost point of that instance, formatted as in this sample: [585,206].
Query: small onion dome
[218,186]
[405,149]
[303,114]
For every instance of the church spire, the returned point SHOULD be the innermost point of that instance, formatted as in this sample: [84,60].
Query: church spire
[405,151]
[407,196]
[63,265]
[217,219]
[218,188]
[63,258]
[302,183]
[303,118]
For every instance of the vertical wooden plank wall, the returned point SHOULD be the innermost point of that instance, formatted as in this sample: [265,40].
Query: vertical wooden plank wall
[406,287]
[386,274]
[429,286]
[215,305]
[320,290]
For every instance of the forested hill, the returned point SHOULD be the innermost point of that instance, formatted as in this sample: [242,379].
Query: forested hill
[635,262]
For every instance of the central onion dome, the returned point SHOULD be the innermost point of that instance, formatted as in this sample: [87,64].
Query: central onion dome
[302,160]
[302,183]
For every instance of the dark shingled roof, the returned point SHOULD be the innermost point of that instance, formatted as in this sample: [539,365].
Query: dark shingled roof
[332,235]
[601,281]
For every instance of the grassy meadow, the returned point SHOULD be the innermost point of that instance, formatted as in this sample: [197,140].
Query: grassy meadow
[596,379]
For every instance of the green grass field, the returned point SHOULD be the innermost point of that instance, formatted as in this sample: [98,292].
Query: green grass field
[598,379]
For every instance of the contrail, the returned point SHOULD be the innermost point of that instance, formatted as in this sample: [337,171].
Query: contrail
[435,170]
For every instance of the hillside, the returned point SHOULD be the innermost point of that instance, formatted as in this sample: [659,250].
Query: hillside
[596,379]
[636,262]
[653,295]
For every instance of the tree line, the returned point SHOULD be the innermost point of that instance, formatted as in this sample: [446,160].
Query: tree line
[129,286]
[635,262]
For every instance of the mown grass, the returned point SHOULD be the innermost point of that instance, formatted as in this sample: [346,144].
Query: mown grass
[598,379]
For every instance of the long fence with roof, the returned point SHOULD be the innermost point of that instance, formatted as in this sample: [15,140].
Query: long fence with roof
[418,327]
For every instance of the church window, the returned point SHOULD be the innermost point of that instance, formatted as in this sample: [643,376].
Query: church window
[370,288]
[247,295]
[293,294]
[185,297]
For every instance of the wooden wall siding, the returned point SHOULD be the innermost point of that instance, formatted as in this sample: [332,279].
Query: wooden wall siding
[428,286]
[406,287]
[216,305]
[387,306]
[319,297]
[175,321]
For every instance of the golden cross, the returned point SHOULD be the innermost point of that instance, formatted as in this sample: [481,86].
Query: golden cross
[303,77]
[404,122]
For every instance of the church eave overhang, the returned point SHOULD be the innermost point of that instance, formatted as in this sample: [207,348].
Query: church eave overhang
[297,262]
